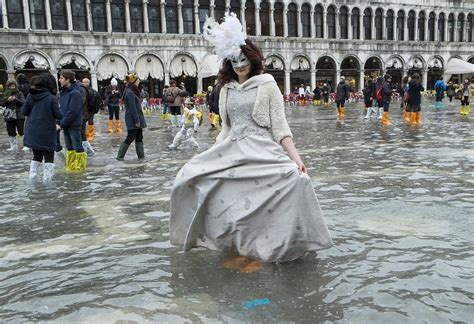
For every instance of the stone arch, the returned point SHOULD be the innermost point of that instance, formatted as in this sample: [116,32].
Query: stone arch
[111,64]
[373,63]
[350,69]
[149,64]
[73,57]
[183,68]
[276,66]
[326,69]
[395,65]
[435,70]
[37,58]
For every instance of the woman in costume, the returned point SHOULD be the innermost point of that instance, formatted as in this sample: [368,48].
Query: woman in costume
[245,193]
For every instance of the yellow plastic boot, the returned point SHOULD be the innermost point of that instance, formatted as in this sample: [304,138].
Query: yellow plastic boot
[169,116]
[111,126]
[418,118]
[385,120]
[118,128]
[90,132]
[406,117]
[462,110]
[81,161]
[70,160]
[163,117]
[215,120]
[211,119]
[343,113]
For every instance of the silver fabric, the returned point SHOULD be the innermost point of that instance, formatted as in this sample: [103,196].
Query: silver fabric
[245,193]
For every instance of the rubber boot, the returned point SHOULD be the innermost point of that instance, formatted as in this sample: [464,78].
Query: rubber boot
[369,113]
[163,117]
[406,116]
[13,143]
[34,169]
[140,150]
[88,148]
[122,151]
[385,120]
[70,160]
[90,132]
[169,116]
[343,113]
[178,138]
[61,155]
[48,172]
[380,113]
[111,126]
[118,127]
[81,161]
[418,118]
[211,120]
[216,120]
[413,119]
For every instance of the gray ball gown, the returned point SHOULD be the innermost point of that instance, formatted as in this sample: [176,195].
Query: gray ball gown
[246,194]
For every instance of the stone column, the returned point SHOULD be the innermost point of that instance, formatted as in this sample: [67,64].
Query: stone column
[180,18]
[26,14]
[4,16]
[361,27]
[258,27]
[11,74]
[242,18]
[70,26]
[299,26]
[287,82]
[167,77]
[384,26]
[446,29]
[313,78]
[128,27]
[199,85]
[455,30]
[163,19]
[285,23]
[47,9]
[94,82]
[212,5]
[272,20]
[109,16]
[337,25]
[312,27]
[405,27]
[361,80]
[338,79]
[465,33]
[372,23]
[146,23]
[435,28]
[425,25]
[90,26]
[425,78]
[325,25]
[197,29]
[349,26]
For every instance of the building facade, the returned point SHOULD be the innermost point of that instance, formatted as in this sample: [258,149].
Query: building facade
[303,41]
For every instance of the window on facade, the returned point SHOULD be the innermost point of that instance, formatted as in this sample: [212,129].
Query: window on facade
[250,17]
[117,9]
[58,14]
[203,12]
[99,17]
[411,25]
[378,24]
[292,21]
[431,30]
[136,16]
[400,26]
[451,28]
[219,9]
[171,15]
[37,14]
[331,20]
[470,20]
[318,21]
[235,7]
[367,24]
[460,27]
[15,14]
[306,20]
[355,23]
[154,16]
[389,24]
[421,26]
[264,18]
[79,18]
[343,22]
[441,27]
[278,17]
[188,16]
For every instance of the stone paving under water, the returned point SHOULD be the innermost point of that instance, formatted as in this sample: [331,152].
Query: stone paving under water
[398,201]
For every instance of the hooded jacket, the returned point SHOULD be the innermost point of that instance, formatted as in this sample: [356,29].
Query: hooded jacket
[42,109]
[269,109]
[70,102]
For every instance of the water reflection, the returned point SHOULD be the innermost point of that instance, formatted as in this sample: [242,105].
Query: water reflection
[94,248]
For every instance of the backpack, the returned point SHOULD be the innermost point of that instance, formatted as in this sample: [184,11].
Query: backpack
[94,101]
[438,88]
[169,96]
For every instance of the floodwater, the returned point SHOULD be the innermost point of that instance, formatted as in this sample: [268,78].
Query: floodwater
[399,203]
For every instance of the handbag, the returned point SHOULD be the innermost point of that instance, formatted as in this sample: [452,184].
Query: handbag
[9,114]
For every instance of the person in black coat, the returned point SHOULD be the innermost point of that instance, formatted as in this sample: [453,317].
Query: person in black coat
[134,118]
[42,109]
[414,91]
[13,100]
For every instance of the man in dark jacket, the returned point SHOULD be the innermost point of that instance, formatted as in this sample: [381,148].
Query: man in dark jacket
[213,103]
[71,103]
[385,93]
[13,100]
[174,101]
[342,94]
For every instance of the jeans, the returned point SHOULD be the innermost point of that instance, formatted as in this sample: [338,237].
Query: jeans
[114,110]
[73,140]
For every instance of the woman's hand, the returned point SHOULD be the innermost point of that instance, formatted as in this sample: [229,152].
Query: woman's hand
[301,167]
[138,125]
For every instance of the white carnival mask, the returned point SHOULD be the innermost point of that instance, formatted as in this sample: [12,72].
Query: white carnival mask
[240,61]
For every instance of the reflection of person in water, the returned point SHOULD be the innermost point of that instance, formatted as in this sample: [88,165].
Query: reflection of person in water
[266,207]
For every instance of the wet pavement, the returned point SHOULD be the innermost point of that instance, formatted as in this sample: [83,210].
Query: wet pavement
[398,201]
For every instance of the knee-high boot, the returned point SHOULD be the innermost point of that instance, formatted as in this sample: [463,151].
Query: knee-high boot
[122,151]
[34,169]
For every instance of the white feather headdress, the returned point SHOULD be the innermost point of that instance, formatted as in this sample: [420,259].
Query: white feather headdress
[226,37]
